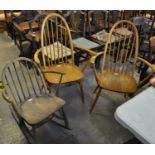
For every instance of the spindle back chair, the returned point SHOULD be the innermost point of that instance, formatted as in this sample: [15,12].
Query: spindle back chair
[26,91]
[119,60]
[57,53]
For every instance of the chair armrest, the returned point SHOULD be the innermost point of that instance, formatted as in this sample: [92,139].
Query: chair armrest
[54,72]
[85,49]
[147,63]
[93,58]
[36,58]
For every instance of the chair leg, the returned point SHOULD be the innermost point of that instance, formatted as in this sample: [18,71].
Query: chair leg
[96,89]
[81,89]
[28,135]
[96,98]
[65,119]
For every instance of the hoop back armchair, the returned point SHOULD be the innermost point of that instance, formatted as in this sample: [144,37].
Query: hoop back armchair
[118,66]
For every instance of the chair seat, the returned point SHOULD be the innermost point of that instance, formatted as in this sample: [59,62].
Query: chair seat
[118,82]
[72,73]
[37,109]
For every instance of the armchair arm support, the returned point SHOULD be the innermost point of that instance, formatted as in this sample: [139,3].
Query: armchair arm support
[61,76]
[93,58]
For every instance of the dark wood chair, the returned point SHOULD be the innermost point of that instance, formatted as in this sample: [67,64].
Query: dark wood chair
[34,34]
[21,27]
[30,103]
[9,16]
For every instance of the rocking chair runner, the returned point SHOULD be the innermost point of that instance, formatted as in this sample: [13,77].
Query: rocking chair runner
[119,61]
[30,102]
[58,54]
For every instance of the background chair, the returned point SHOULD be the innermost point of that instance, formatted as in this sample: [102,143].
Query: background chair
[30,102]
[145,71]
[34,35]
[21,27]
[145,30]
[119,61]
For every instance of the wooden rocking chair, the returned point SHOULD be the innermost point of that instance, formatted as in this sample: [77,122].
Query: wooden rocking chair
[30,102]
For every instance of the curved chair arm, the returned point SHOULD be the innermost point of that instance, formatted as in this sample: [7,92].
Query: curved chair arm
[36,58]
[92,61]
[147,63]
[93,58]
[148,77]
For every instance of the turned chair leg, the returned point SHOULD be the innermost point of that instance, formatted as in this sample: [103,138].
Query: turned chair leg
[81,89]
[96,98]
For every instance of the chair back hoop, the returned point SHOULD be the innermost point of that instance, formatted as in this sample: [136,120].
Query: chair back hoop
[56,41]
[22,80]
[121,49]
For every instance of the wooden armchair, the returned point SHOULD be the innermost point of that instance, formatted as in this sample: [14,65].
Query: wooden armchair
[57,53]
[119,61]
[30,103]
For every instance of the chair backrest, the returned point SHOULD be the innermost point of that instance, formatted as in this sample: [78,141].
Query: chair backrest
[121,49]
[23,80]
[26,15]
[38,19]
[56,41]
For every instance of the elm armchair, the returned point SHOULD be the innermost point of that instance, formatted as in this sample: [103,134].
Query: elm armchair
[30,102]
